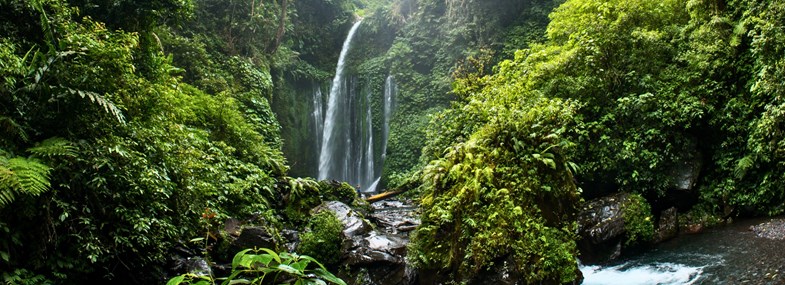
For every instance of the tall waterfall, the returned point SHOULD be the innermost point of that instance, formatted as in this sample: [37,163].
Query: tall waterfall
[350,149]
[330,165]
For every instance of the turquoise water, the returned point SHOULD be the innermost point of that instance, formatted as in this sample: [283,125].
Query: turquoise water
[725,255]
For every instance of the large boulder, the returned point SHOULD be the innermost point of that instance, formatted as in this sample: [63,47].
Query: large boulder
[369,256]
[253,237]
[601,228]
[354,224]
[667,226]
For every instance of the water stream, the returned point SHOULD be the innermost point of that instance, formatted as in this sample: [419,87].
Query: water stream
[727,255]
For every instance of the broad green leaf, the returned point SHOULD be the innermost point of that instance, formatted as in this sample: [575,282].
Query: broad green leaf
[176,280]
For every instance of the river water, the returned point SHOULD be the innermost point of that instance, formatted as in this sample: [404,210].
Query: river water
[725,255]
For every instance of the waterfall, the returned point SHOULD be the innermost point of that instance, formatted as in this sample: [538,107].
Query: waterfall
[331,130]
[318,114]
[348,149]
[389,92]
[368,175]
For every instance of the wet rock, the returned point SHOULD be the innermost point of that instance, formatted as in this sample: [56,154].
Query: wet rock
[601,219]
[194,265]
[378,257]
[668,225]
[292,238]
[377,248]
[253,237]
[395,216]
[601,228]
[354,224]
[774,229]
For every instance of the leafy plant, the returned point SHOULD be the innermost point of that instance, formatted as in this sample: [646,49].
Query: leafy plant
[264,266]
[324,240]
[638,221]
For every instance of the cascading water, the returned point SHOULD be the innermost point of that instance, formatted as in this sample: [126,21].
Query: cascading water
[318,114]
[348,150]
[336,137]
[389,92]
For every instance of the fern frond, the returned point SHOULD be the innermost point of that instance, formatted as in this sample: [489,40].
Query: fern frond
[96,98]
[7,189]
[54,147]
[22,175]
[744,164]
[12,128]
[31,174]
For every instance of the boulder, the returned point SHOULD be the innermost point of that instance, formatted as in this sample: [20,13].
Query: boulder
[601,228]
[667,226]
[374,257]
[354,224]
[194,265]
[600,220]
[253,237]
[378,259]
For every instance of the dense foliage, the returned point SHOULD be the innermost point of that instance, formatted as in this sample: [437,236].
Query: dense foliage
[507,191]
[123,124]
[655,87]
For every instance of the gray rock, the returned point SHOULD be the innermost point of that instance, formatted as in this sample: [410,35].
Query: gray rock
[378,257]
[353,223]
[668,225]
[601,228]
[774,229]
[600,220]
[194,265]
[687,172]
[253,237]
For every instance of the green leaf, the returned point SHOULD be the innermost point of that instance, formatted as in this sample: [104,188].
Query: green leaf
[324,274]
[238,258]
[176,280]
[273,254]
[289,269]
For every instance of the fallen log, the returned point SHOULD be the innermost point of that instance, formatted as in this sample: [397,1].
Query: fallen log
[384,195]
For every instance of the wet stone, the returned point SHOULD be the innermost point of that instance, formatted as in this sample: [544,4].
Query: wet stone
[774,229]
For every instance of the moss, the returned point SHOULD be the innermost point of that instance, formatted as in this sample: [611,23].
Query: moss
[337,191]
[637,219]
[324,239]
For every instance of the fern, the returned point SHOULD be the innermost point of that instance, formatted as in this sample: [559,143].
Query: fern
[30,176]
[22,175]
[13,128]
[108,106]
[742,166]
[54,147]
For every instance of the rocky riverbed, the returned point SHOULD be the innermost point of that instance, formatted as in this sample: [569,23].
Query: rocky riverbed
[774,229]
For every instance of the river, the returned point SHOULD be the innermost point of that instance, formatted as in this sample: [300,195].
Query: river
[729,254]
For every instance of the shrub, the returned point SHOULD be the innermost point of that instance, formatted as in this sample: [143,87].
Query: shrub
[324,240]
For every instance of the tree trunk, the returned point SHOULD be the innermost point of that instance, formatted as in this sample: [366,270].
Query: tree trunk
[281,27]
